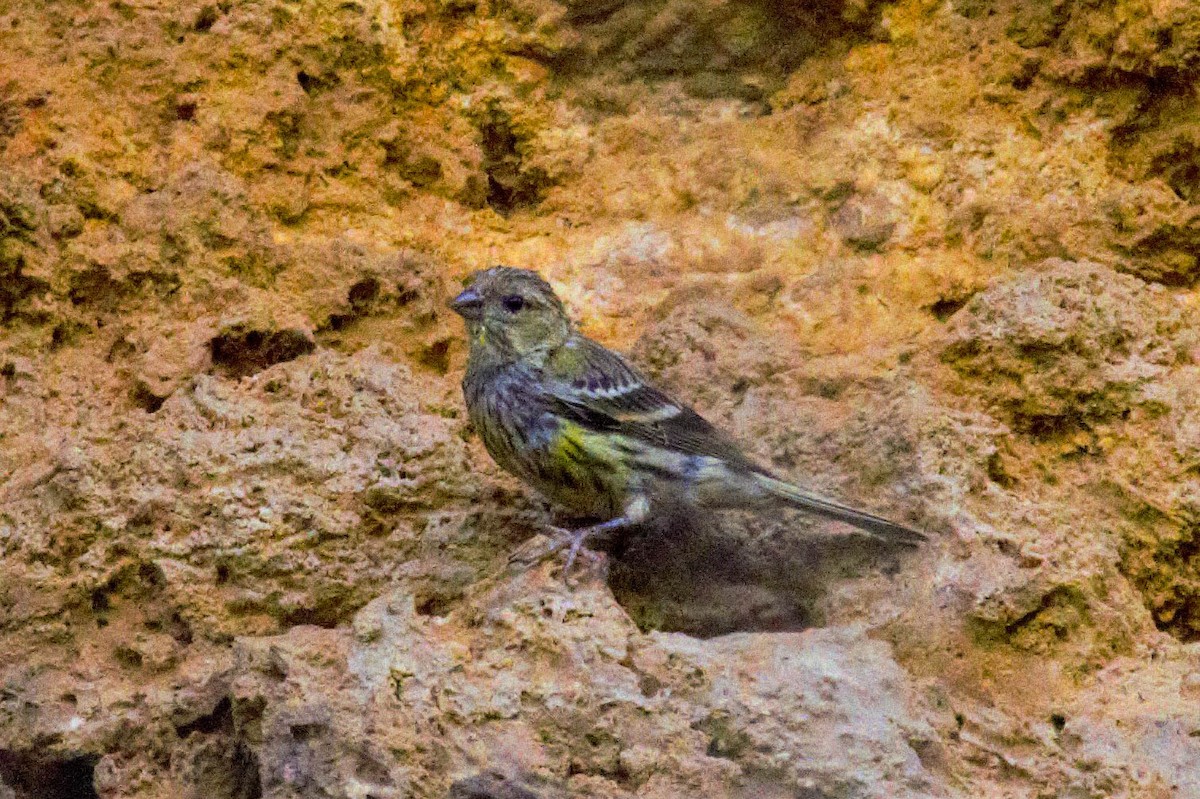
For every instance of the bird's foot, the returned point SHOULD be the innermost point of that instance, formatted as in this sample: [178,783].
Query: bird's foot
[539,548]
[575,539]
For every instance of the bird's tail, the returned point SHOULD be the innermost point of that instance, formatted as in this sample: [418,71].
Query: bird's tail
[823,506]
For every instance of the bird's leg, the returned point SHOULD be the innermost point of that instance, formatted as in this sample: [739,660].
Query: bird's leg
[576,538]
[636,511]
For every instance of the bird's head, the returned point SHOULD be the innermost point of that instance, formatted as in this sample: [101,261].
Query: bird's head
[511,315]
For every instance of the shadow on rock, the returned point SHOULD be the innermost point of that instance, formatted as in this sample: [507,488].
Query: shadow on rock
[712,575]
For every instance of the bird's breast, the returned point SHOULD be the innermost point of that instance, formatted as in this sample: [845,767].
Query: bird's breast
[571,466]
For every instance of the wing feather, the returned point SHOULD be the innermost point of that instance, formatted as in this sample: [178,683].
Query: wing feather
[600,390]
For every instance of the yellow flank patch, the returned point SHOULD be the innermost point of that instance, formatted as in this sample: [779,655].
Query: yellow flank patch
[575,446]
[569,444]
[585,471]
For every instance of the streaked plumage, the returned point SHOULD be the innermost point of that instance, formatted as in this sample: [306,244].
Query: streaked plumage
[577,422]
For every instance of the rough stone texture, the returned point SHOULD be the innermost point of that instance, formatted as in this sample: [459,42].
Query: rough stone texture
[939,259]
[1071,346]
[423,702]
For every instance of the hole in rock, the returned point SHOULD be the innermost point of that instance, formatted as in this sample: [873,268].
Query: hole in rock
[436,604]
[363,293]
[361,297]
[141,396]
[241,351]
[205,19]
[946,307]
[436,356]
[307,732]
[39,775]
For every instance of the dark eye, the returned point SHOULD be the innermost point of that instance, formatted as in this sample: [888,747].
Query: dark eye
[513,303]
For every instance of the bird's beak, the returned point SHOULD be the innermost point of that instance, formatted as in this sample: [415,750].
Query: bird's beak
[468,304]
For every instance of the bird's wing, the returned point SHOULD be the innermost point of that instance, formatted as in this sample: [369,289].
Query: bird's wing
[596,388]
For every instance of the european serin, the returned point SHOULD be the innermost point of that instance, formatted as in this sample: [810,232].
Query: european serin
[578,423]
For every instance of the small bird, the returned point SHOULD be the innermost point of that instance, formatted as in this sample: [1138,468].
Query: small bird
[581,425]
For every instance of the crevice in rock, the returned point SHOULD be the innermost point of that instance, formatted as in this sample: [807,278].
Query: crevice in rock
[307,732]
[419,169]
[42,775]
[317,83]
[220,720]
[18,227]
[95,287]
[15,288]
[215,760]
[327,612]
[1060,596]
[1161,557]
[1155,140]
[511,183]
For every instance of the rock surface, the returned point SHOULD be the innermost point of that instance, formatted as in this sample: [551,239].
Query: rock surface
[938,259]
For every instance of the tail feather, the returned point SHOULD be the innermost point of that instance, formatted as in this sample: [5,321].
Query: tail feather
[823,506]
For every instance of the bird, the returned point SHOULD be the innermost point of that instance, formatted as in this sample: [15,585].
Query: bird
[586,429]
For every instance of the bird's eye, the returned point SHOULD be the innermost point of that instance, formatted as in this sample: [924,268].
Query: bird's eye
[513,303]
